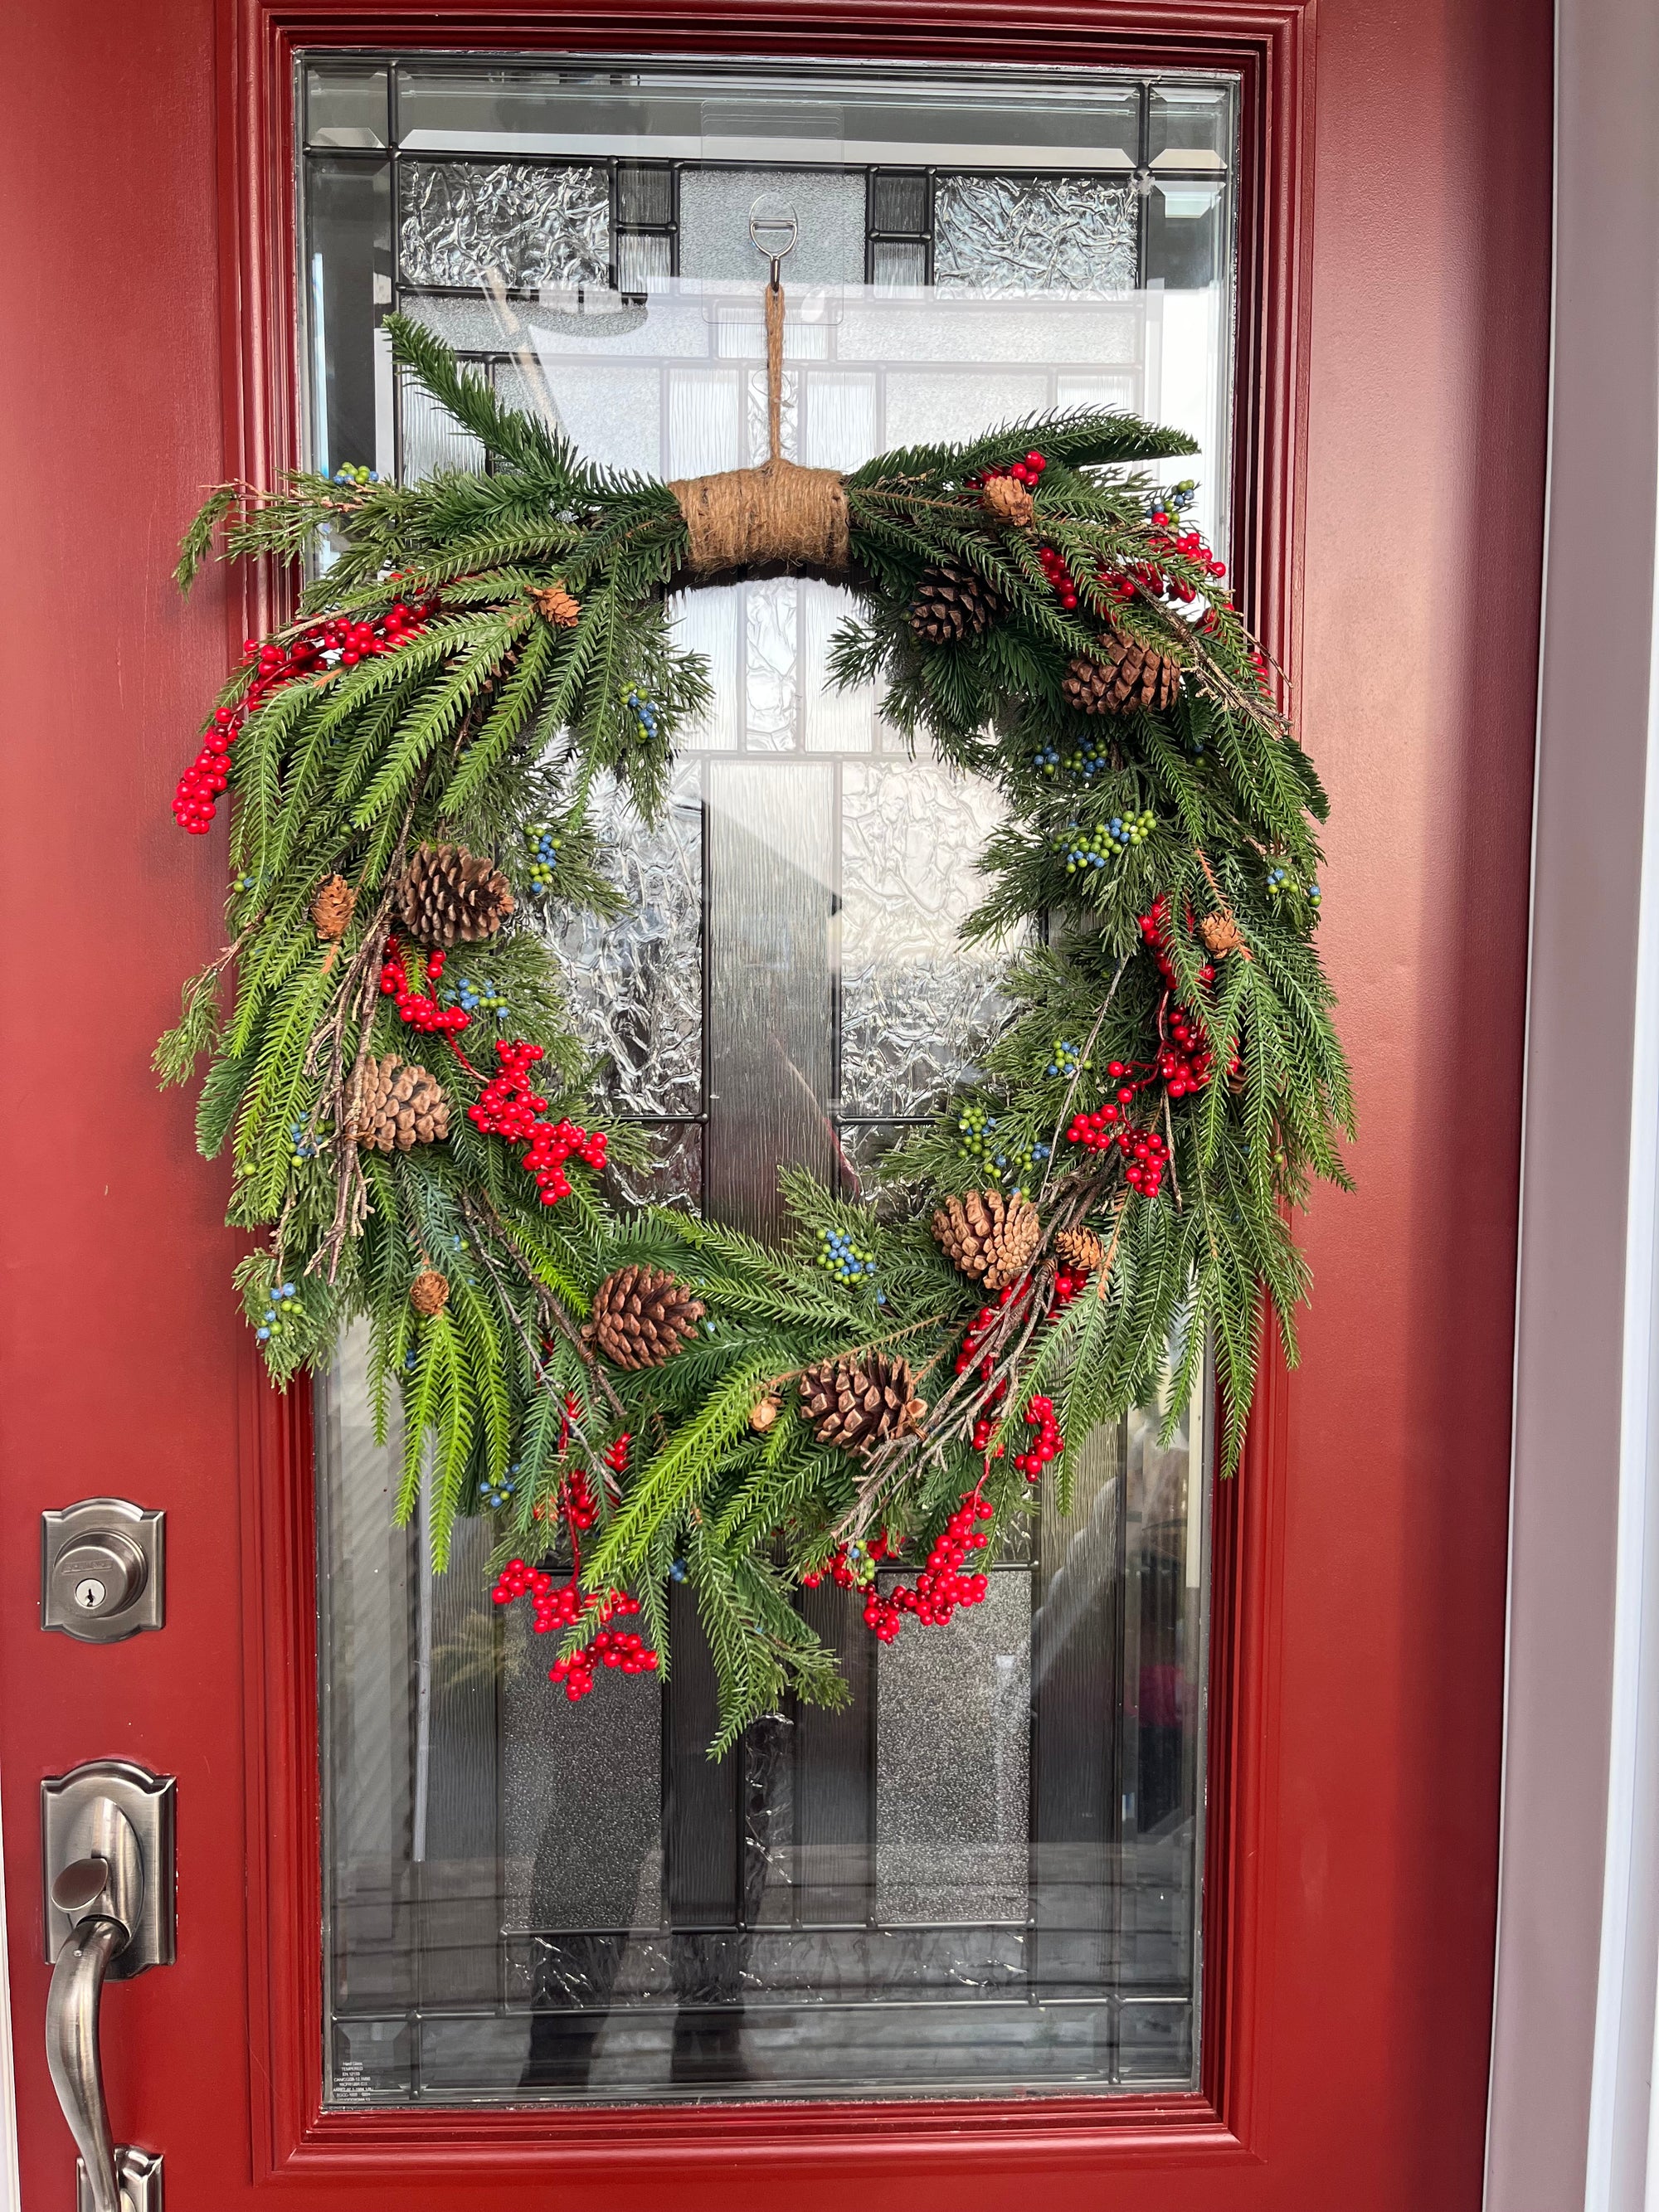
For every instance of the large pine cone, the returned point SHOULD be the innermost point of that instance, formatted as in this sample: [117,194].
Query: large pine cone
[403,1106]
[1128,675]
[642,1317]
[988,1236]
[448,897]
[952,603]
[858,1403]
[331,908]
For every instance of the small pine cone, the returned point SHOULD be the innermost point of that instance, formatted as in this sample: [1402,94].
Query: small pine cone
[402,1106]
[642,1317]
[1079,1250]
[1007,500]
[557,606]
[331,910]
[988,1236]
[763,1414]
[952,603]
[449,897]
[858,1403]
[1126,675]
[428,1293]
[1221,933]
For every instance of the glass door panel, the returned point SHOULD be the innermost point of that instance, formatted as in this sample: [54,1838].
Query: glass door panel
[983,1873]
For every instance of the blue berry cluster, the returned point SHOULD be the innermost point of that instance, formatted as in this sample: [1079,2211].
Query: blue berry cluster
[641,709]
[676,1571]
[840,1257]
[498,1489]
[1278,882]
[301,1149]
[282,1312]
[544,843]
[1046,761]
[1179,497]
[1085,759]
[1084,849]
[475,999]
[354,472]
[1067,1059]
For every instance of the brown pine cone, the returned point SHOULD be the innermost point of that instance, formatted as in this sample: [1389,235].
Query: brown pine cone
[952,603]
[1009,501]
[331,910]
[642,1317]
[448,897]
[1079,1250]
[1126,675]
[402,1106]
[428,1293]
[1221,933]
[860,1403]
[557,606]
[988,1236]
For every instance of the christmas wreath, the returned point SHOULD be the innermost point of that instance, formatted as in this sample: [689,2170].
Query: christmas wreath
[641,1396]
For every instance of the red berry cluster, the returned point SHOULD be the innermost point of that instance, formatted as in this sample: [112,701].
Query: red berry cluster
[508,1107]
[577,1502]
[1185,1060]
[941,1586]
[561,1605]
[616,1452]
[843,1572]
[1048,1443]
[1145,1150]
[609,1648]
[338,642]
[1026,472]
[1153,578]
[420,1008]
[1059,575]
[1065,1288]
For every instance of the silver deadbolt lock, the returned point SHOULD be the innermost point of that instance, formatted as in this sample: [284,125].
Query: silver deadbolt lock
[102,1570]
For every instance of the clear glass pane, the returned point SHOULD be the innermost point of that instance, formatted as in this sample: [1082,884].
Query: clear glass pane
[982,1876]
[347,290]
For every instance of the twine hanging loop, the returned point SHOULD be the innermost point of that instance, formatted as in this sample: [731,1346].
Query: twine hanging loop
[780,519]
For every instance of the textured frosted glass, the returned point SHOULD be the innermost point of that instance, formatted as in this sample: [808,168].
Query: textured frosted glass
[917,1003]
[953,1763]
[581,1788]
[1034,235]
[714,241]
[674,1177]
[524,223]
[635,982]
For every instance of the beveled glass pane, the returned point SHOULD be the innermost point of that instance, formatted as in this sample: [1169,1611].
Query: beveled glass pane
[1189,126]
[345,104]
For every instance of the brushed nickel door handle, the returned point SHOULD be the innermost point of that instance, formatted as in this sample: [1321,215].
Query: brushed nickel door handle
[108,1849]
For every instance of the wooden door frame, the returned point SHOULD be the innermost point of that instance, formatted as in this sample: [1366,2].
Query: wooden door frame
[1268,45]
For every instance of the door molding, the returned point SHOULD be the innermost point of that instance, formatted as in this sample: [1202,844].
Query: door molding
[1269,44]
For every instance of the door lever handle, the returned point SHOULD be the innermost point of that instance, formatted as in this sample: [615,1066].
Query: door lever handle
[77,2073]
[106,1832]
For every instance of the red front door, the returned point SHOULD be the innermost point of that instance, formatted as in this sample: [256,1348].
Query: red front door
[1392,200]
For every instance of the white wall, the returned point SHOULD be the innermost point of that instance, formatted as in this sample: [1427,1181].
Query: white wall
[1578,1920]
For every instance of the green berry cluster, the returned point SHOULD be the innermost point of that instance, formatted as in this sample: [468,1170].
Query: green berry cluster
[1084,849]
[1067,1059]
[544,844]
[840,1257]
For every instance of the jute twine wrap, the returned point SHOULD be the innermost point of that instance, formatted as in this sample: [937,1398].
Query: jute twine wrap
[780,519]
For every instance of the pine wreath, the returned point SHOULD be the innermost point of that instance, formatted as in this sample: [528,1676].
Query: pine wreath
[410,758]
